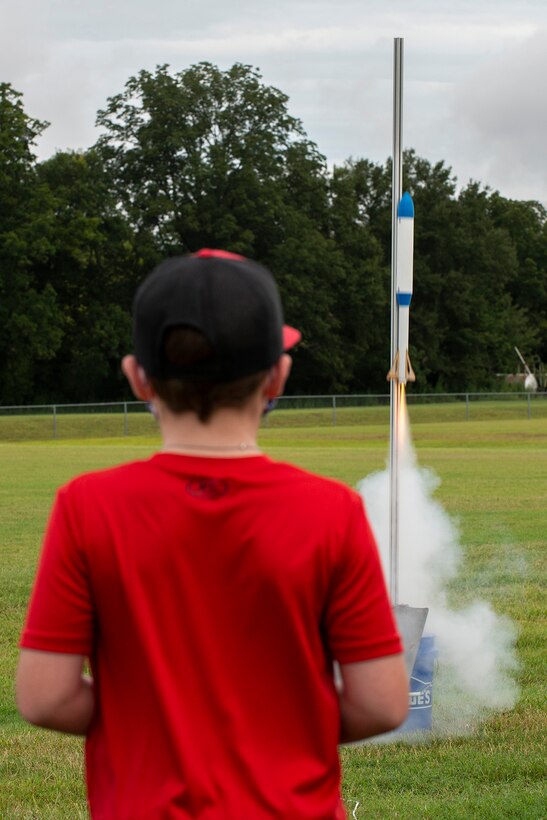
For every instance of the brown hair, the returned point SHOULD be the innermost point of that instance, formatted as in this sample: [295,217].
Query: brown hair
[186,346]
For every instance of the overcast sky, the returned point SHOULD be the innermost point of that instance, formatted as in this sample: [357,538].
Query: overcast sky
[474,73]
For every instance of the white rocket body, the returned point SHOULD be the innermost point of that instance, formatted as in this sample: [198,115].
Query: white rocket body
[401,368]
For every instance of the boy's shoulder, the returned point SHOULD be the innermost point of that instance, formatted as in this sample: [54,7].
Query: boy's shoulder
[261,472]
[312,483]
[108,477]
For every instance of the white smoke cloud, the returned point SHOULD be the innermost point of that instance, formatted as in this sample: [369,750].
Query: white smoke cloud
[476,666]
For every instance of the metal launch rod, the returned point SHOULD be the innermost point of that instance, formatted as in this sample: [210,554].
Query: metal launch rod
[410,619]
[395,389]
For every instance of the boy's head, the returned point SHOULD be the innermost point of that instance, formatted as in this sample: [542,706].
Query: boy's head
[207,328]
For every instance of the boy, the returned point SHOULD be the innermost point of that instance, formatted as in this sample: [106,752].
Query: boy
[210,588]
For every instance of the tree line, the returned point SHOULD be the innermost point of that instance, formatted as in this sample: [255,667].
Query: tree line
[211,158]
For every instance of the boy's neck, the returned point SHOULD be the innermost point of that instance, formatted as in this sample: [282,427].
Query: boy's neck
[229,433]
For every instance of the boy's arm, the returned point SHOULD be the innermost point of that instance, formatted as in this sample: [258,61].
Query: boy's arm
[53,692]
[373,697]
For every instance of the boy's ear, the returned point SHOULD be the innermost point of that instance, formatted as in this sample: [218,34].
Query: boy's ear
[278,376]
[137,378]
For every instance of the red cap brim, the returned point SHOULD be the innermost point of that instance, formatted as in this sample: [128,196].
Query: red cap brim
[291,336]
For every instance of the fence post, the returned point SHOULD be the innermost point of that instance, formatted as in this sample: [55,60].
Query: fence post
[125,431]
[54,421]
[334,411]
[467,406]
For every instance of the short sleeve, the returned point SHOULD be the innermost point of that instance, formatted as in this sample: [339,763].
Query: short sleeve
[359,620]
[60,613]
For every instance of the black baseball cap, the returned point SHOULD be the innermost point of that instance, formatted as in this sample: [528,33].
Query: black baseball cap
[232,300]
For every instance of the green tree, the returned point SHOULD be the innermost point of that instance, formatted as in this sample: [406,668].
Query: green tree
[433,188]
[30,319]
[208,157]
[464,317]
[311,272]
[359,210]
[469,307]
[94,266]
[483,322]
[309,269]
[197,156]
[525,224]
[205,157]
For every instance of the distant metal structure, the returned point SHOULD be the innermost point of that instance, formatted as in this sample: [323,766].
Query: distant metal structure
[532,379]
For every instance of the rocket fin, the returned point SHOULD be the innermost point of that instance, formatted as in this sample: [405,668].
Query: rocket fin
[392,373]
[410,375]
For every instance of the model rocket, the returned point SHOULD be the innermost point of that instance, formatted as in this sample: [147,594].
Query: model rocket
[401,369]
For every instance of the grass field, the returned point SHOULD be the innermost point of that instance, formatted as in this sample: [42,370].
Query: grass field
[494,480]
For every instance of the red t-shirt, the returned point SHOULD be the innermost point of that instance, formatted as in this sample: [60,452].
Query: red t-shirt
[211,596]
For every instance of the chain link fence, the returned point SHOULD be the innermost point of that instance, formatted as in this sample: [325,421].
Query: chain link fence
[133,418]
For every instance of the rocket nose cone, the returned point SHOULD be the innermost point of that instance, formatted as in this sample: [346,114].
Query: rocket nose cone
[406,207]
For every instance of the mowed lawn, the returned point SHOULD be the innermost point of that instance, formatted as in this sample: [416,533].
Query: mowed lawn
[494,480]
